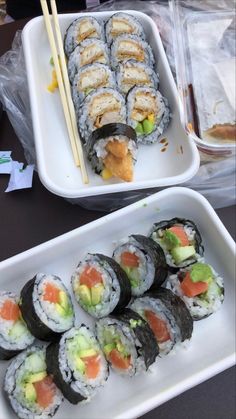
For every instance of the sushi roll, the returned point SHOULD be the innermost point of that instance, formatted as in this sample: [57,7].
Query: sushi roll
[147,113]
[77,364]
[104,106]
[14,335]
[180,240]
[80,29]
[46,307]
[132,73]
[112,151]
[143,261]
[200,287]
[90,78]
[30,390]
[90,51]
[100,286]
[128,342]
[167,316]
[127,47]
[123,23]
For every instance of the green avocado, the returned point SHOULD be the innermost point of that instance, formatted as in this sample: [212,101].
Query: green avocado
[148,126]
[182,253]
[63,300]
[170,239]
[108,348]
[201,272]
[133,275]
[96,294]
[139,128]
[38,376]
[87,352]
[82,343]
[85,295]
[17,330]
[80,365]
[30,393]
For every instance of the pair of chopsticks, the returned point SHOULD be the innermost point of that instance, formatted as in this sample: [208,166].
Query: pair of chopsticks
[64,84]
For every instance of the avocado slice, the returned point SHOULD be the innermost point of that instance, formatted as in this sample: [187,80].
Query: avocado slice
[17,330]
[182,253]
[108,348]
[96,294]
[133,275]
[30,393]
[201,272]
[80,365]
[87,352]
[170,239]
[139,128]
[63,300]
[38,376]
[148,126]
[85,295]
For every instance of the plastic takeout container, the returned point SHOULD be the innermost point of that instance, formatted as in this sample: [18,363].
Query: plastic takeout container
[57,171]
[208,353]
[204,49]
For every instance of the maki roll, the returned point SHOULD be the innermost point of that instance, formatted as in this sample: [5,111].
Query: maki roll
[100,286]
[104,106]
[90,78]
[14,335]
[167,316]
[90,51]
[123,23]
[46,307]
[112,151]
[30,390]
[147,113]
[200,287]
[128,342]
[77,364]
[180,240]
[143,261]
[127,47]
[132,73]
[80,29]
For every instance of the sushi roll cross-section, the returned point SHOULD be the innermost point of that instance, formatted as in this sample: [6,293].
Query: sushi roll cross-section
[122,23]
[200,287]
[77,364]
[128,342]
[30,390]
[143,261]
[167,316]
[131,73]
[46,307]
[181,241]
[100,286]
[127,47]
[14,335]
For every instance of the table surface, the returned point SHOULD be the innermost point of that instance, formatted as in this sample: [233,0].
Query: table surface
[32,216]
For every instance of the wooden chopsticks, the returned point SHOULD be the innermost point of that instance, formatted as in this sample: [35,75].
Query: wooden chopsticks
[64,84]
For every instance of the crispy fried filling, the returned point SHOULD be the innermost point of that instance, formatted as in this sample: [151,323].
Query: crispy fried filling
[130,49]
[120,26]
[120,167]
[86,30]
[91,54]
[132,76]
[144,105]
[93,79]
[105,109]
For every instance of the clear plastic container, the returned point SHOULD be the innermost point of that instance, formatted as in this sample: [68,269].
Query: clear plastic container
[204,49]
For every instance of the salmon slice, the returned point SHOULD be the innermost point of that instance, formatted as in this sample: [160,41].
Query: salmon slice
[10,311]
[158,326]
[51,293]
[129,259]
[190,288]
[180,233]
[45,390]
[118,360]
[90,277]
[92,366]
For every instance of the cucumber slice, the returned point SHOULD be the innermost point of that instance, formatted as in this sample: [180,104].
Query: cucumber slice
[17,330]
[182,253]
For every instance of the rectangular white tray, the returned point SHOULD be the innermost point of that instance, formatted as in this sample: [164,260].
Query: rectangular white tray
[212,347]
[56,167]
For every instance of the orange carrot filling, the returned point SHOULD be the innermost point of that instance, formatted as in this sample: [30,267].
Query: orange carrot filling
[90,277]
[51,293]
[190,288]
[118,360]
[10,311]
[129,259]
[45,390]
[158,326]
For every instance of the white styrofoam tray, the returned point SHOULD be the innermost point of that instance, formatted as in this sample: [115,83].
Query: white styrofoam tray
[212,347]
[56,167]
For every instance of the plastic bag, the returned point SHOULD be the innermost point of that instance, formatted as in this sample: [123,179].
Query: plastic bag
[215,180]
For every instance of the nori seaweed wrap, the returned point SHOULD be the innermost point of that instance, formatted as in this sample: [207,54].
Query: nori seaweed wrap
[100,285]
[123,23]
[167,315]
[127,341]
[77,364]
[180,240]
[46,307]
[113,147]
[144,262]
